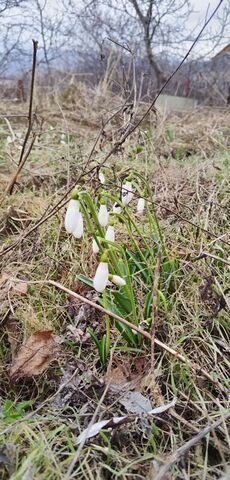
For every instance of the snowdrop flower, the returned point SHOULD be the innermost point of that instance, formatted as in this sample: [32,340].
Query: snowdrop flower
[71,216]
[103,215]
[117,208]
[102,275]
[95,246]
[110,233]
[101,177]
[140,205]
[127,193]
[78,231]
[117,280]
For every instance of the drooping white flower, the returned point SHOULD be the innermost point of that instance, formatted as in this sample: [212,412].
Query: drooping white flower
[117,208]
[71,216]
[101,277]
[117,280]
[101,177]
[127,193]
[103,215]
[95,246]
[110,234]
[140,205]
[78,231]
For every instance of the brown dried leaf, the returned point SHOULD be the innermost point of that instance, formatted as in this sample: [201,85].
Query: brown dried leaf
[116,376]
[36,355]
[19,288]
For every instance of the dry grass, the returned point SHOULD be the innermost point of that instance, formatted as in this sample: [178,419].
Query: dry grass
[187,160]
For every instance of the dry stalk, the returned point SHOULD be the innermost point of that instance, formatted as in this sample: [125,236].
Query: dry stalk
[25,154]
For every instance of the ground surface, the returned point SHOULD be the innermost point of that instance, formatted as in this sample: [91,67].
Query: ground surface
[187,161]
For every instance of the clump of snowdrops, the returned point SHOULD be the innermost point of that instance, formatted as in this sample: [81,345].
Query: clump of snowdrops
[123,269]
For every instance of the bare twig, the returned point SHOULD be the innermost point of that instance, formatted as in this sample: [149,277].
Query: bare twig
[24,155]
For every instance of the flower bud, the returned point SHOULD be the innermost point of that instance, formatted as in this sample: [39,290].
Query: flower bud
[103,215]
[71,216]
[101,277]
[140,205]
[78,231]
[117,280]
[110,234]
[95,247]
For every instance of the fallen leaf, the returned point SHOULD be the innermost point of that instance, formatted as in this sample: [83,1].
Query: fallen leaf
[163,408]
[94,429]
[19,288]
[35,356]
[135,402]
[116,376]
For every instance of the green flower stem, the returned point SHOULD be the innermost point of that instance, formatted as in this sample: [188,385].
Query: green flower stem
[89,224]
[91,206]
[129,228]
[107,323]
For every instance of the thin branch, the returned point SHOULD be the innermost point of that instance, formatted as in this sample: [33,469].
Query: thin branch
[23,156]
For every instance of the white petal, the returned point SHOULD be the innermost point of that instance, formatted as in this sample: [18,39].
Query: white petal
[117,208]
[71,215]
[110,234]
[117,280]
[101,277]
[95,247]
[101,177]
[140,205]
[78,231]
[103,216]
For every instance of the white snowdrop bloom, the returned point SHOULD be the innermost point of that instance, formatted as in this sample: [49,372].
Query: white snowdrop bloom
[117,208]
[101,177]
[101,277]
[110,234]
[127,193]
[117,280]
[78,231]
[140,205]
[95,246]
[71,216]
[103,215]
